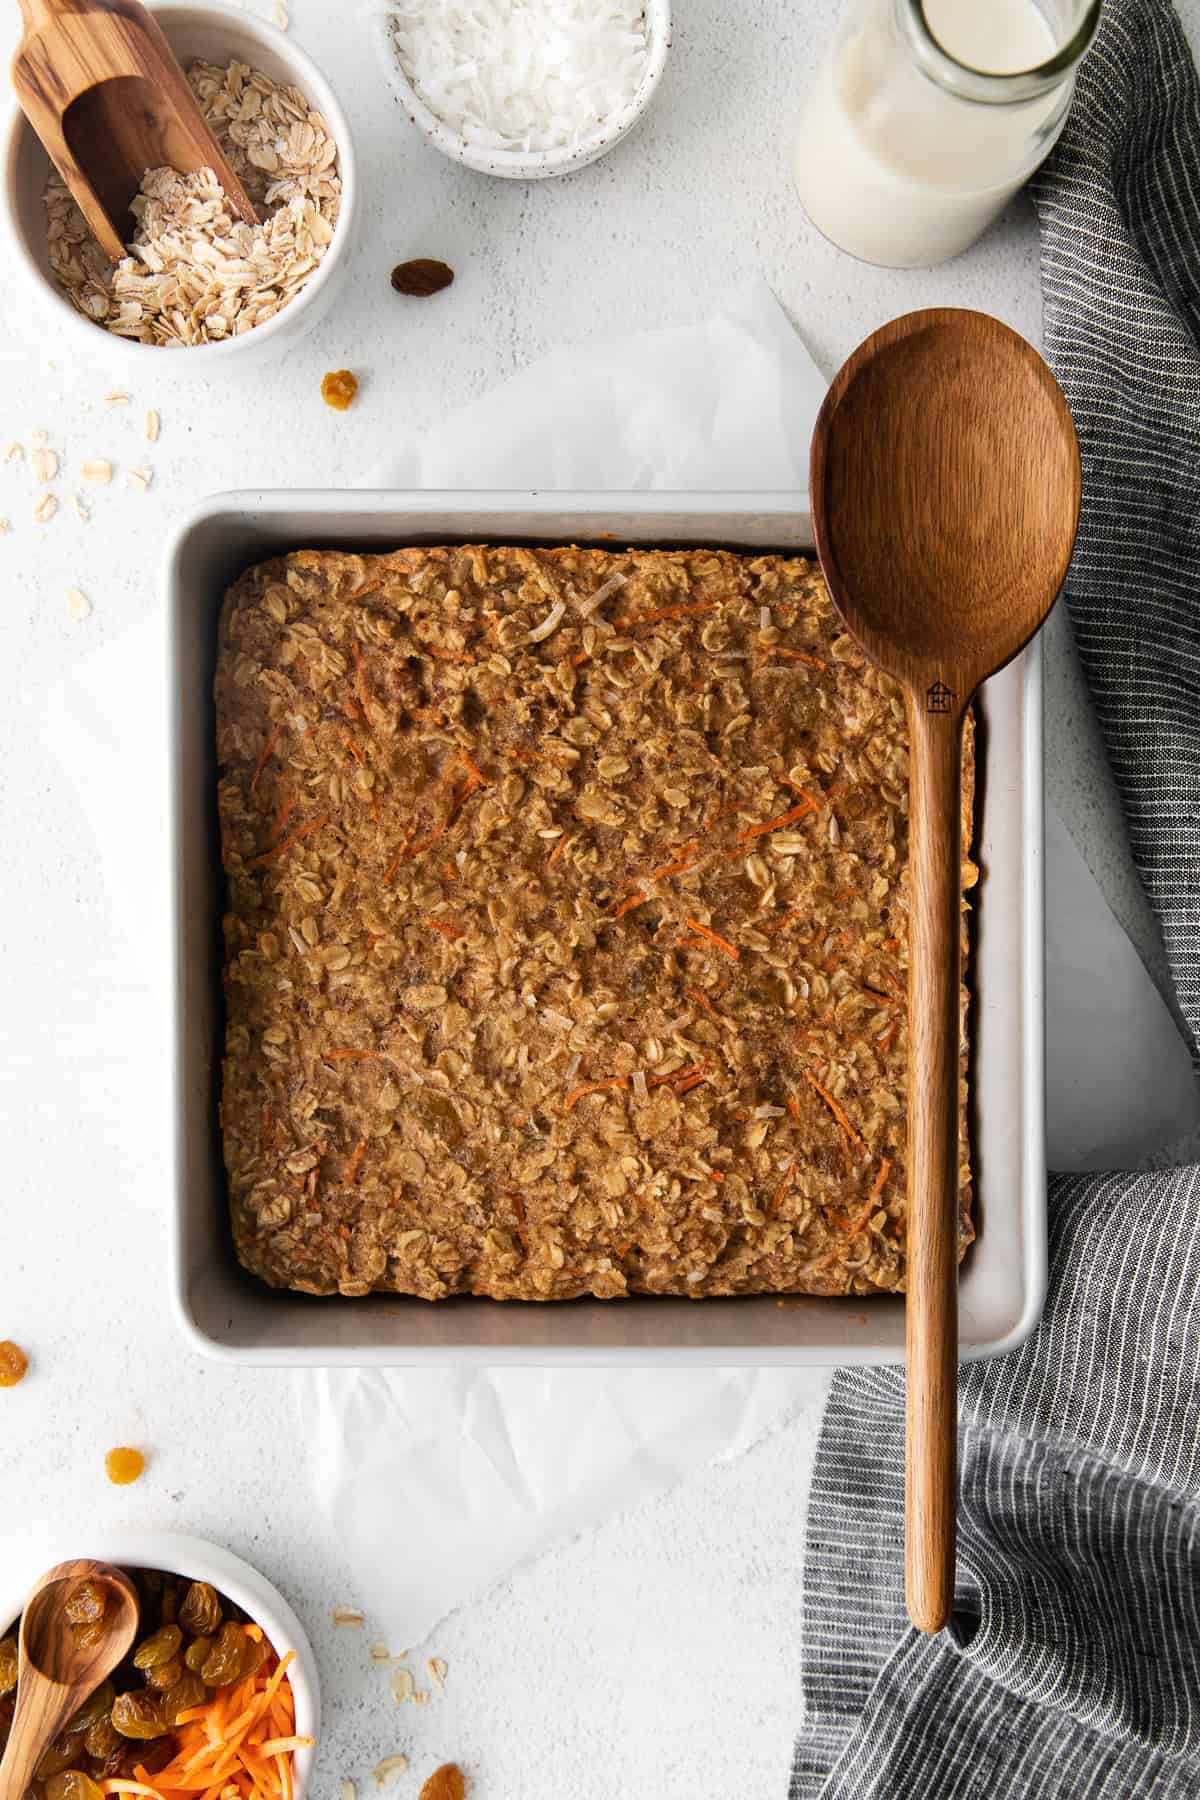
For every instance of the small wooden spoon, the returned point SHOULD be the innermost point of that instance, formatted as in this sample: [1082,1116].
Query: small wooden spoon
[945,486]
[101,86]
[55,1675]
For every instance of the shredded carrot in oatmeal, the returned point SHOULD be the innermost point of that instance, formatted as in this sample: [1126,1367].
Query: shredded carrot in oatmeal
[714,937]
[288,843]
[835,1107]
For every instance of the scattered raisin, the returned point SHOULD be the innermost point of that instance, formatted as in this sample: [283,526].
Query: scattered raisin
[72,1784]
[161,1648]
[423,276]
[200,1614]
[338,389]
[88,1636]
[87,1603]
[224,1662]
[445,1783]
[94,1707]
[8,1665]
[138,1715]
[124,1465]
[197,1653]
[13,1363]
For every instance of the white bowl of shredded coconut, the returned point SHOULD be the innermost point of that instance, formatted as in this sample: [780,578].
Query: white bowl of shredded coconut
[524,88]
[197,278]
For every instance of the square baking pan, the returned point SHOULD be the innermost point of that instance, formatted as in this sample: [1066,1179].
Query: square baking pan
[228,1314]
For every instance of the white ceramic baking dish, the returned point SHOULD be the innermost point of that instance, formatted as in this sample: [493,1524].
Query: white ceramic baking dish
[227,1314]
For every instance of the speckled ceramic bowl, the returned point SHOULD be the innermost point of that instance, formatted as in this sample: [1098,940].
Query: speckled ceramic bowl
[530,165]
[212,33]
[197,1560]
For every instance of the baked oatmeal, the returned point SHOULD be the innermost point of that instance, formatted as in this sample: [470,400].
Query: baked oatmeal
[566,942]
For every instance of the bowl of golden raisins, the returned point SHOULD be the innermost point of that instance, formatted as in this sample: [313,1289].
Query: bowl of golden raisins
[218,1692]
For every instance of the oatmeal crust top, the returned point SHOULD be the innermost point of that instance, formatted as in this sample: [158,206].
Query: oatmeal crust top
[566,942]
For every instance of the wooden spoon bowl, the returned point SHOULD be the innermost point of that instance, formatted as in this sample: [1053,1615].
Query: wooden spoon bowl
[56,1674]
[102,88]
[945,485]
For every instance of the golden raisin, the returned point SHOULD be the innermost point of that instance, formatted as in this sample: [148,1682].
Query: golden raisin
[87,1603]
[72,1784]
[8,1665]
[339,388]
[103,1740]
[200,1614]
[187,1692]
[445,1783]
[139,1715]
[59,1754]
[161,1648]
[197,1653]
[227,1658]
[96,1706]
[123,1465]
[13,1363]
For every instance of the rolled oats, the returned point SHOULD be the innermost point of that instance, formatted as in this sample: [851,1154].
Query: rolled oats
[196,273]
[669,1058]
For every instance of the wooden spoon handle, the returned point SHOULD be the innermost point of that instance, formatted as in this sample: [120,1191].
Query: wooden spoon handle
[931,1329]
[41,1713]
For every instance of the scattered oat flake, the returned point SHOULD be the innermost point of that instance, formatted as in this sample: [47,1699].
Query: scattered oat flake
[279,17]
[5,527]
[14,453]
[46,508]
[96,469]
[83,511]
[78,604]
[403,1686]
[39,436]
[116,398]
[421,1697]
[439,1669]
[391,1765]
[153,426]
[349,1618]
[349,1791]
[44,464]
[380,1653]
[139,479]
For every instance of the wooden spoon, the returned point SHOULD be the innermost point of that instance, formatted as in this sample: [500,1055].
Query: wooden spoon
[945,496]
[100,85]
[55,1675]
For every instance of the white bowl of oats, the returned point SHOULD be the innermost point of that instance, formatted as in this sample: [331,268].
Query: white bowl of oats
[198,278]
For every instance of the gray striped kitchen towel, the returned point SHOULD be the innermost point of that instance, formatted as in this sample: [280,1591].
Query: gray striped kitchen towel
[1071,1669]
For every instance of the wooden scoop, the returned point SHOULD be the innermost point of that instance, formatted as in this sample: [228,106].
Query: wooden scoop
[55,1674]
[100,85]
[945,497]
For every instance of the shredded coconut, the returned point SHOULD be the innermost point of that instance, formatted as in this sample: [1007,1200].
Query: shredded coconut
[522,74]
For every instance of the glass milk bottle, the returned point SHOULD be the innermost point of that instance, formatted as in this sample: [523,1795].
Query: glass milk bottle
[928,115]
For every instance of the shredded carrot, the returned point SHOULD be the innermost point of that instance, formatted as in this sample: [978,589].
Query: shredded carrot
[714,937]
[288,842]
[354,750]
[628,905]
[693,1071]
[885,1043]
[685,1087]
[286,808]
[476,773]
[665,612]
[781,1190]
[885,1169]
[702,1000]
[449,871]
[263,760]
[558,849]
[814,662]
[360,683]
[279,1746]
[351,1056]
[686,859]
[835,1108]
[266,1130]
[581,658]
[592,1087]
[455,656]
[450,931]
[115,1786]
[356,1162]
[793,1106]
[808,805]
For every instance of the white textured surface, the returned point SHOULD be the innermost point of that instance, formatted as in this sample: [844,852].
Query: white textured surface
[659,1655]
